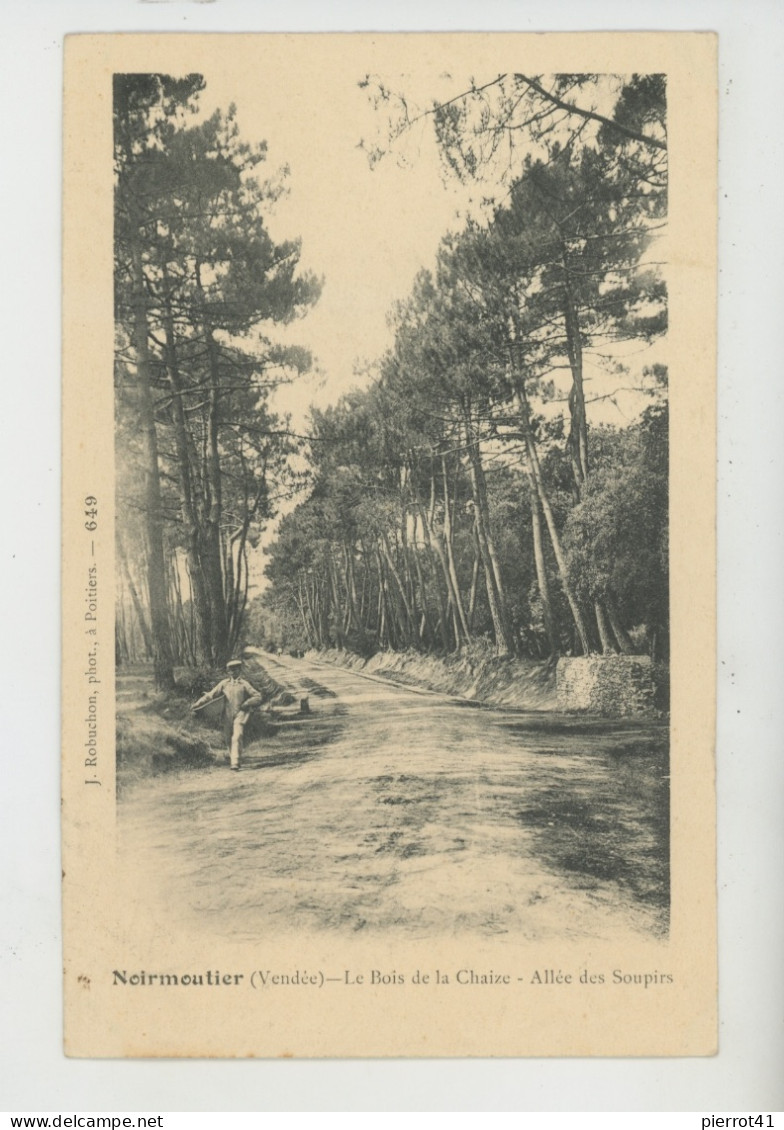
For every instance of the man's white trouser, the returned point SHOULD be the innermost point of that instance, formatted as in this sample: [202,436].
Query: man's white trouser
[237,733]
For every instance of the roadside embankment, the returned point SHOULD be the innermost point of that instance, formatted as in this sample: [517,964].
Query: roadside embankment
[155,732]
[613,686]
[158,732]
[475,674]
[605,686]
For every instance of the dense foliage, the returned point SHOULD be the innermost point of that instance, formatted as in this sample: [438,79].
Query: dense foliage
[465,494]
[199,454]
[452,500]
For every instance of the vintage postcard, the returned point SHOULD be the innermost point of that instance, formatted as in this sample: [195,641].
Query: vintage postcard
[388,517]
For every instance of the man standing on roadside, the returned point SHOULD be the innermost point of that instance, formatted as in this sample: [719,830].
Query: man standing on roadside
[239,699]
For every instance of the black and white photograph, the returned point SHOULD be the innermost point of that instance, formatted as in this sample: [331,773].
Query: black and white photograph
[431,610]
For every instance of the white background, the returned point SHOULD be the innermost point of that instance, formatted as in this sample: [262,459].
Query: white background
[748,1074]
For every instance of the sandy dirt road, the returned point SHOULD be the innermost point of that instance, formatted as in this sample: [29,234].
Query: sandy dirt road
[396,811]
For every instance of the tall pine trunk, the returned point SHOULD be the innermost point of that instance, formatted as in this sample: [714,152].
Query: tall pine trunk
[578,439]
[436,559]
[163,663]
[578,434]
[212,549]
[552,529]
[454,583]
[138,608]
[188,505]
[493,584]
[541,569]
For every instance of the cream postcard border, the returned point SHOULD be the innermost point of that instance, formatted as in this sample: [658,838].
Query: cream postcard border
[99,1022]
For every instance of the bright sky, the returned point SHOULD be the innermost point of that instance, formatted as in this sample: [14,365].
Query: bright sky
[366,231]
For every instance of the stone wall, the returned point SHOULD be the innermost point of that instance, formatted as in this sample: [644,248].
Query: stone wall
[615,686]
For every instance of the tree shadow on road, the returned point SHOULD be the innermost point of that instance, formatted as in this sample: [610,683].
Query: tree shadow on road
[295,739]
